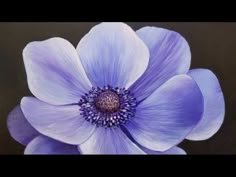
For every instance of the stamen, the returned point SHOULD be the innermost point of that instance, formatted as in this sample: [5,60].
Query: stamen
[108,106]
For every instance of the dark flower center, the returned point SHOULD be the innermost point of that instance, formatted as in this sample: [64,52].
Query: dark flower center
[108,106]
[107,102]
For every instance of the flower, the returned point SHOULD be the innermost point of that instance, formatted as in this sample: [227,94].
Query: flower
[118,92]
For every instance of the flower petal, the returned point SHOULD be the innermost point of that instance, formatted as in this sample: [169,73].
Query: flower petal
[112,54]
[166,117]
[214,105]
[54,72]
[109,141]
[173,151]
[169,55]
[19,128]
[45,145]
[63,123]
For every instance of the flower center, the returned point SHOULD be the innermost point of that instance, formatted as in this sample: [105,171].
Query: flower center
[107,102]
[108,106]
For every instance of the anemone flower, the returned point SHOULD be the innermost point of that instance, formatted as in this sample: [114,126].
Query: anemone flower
[118,92]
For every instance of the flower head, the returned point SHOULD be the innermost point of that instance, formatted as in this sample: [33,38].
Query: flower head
[118,92]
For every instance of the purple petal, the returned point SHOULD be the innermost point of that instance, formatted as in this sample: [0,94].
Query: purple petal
[109,141]
[112,54]
[166,117]
[45,145]
[173,151]
[169,55]
[214,105]
[63,123]
[19,128]
[54,72]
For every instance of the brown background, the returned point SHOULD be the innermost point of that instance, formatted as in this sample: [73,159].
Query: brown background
[213,46]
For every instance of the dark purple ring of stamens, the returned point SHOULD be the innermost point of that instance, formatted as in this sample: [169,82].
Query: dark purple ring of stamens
[108,106]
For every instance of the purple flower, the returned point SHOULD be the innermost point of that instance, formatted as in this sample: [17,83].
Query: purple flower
[118,92]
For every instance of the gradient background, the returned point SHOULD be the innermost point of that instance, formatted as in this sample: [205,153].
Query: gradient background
[213,46]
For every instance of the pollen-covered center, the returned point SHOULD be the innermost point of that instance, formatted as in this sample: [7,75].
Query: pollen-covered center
[107,102]
[107,106]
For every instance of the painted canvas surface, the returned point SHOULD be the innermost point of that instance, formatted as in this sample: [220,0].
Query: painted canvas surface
[117,88]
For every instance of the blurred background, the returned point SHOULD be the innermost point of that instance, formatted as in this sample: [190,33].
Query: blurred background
[213,46]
